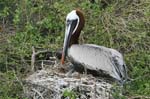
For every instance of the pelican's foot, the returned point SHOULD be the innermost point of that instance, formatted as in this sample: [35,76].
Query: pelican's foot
[85,72]
[70,72]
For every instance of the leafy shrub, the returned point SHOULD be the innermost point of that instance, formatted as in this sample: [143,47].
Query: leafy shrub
[121,24]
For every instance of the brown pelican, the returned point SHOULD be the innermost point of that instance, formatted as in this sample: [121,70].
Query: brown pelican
[90,56]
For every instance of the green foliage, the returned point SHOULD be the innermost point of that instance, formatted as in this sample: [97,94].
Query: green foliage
[117,92]
[70,94]
[120,24]
[9,86]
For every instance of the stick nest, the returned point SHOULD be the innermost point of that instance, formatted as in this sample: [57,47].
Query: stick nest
[52,83]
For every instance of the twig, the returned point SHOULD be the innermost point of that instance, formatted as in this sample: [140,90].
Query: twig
[38,93]
[19,81]
[34,54]
[42,64]
[139,97]
[33,58]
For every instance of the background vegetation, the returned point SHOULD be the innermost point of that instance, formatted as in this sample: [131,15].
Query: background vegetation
[120,24]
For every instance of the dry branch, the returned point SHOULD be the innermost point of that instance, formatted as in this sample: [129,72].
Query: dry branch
[34,54]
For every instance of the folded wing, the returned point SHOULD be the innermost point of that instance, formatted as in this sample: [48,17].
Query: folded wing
[99,58]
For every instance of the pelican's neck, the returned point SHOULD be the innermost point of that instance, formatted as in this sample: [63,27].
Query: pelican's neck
[75,37]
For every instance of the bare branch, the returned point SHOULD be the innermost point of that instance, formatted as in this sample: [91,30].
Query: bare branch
[38,93]
[34,54]
[139,97]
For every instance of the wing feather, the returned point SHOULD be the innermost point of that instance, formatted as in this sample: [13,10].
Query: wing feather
[99,58]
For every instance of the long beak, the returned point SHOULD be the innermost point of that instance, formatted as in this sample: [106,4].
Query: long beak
[68,33]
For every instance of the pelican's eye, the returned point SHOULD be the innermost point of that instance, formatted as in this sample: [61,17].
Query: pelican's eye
[68,22]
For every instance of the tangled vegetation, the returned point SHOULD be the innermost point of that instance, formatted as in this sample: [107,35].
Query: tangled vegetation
[120,24]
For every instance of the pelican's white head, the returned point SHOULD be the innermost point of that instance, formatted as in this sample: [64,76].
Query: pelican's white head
[74,25]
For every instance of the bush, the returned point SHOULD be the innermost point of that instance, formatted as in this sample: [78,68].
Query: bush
[120,24]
